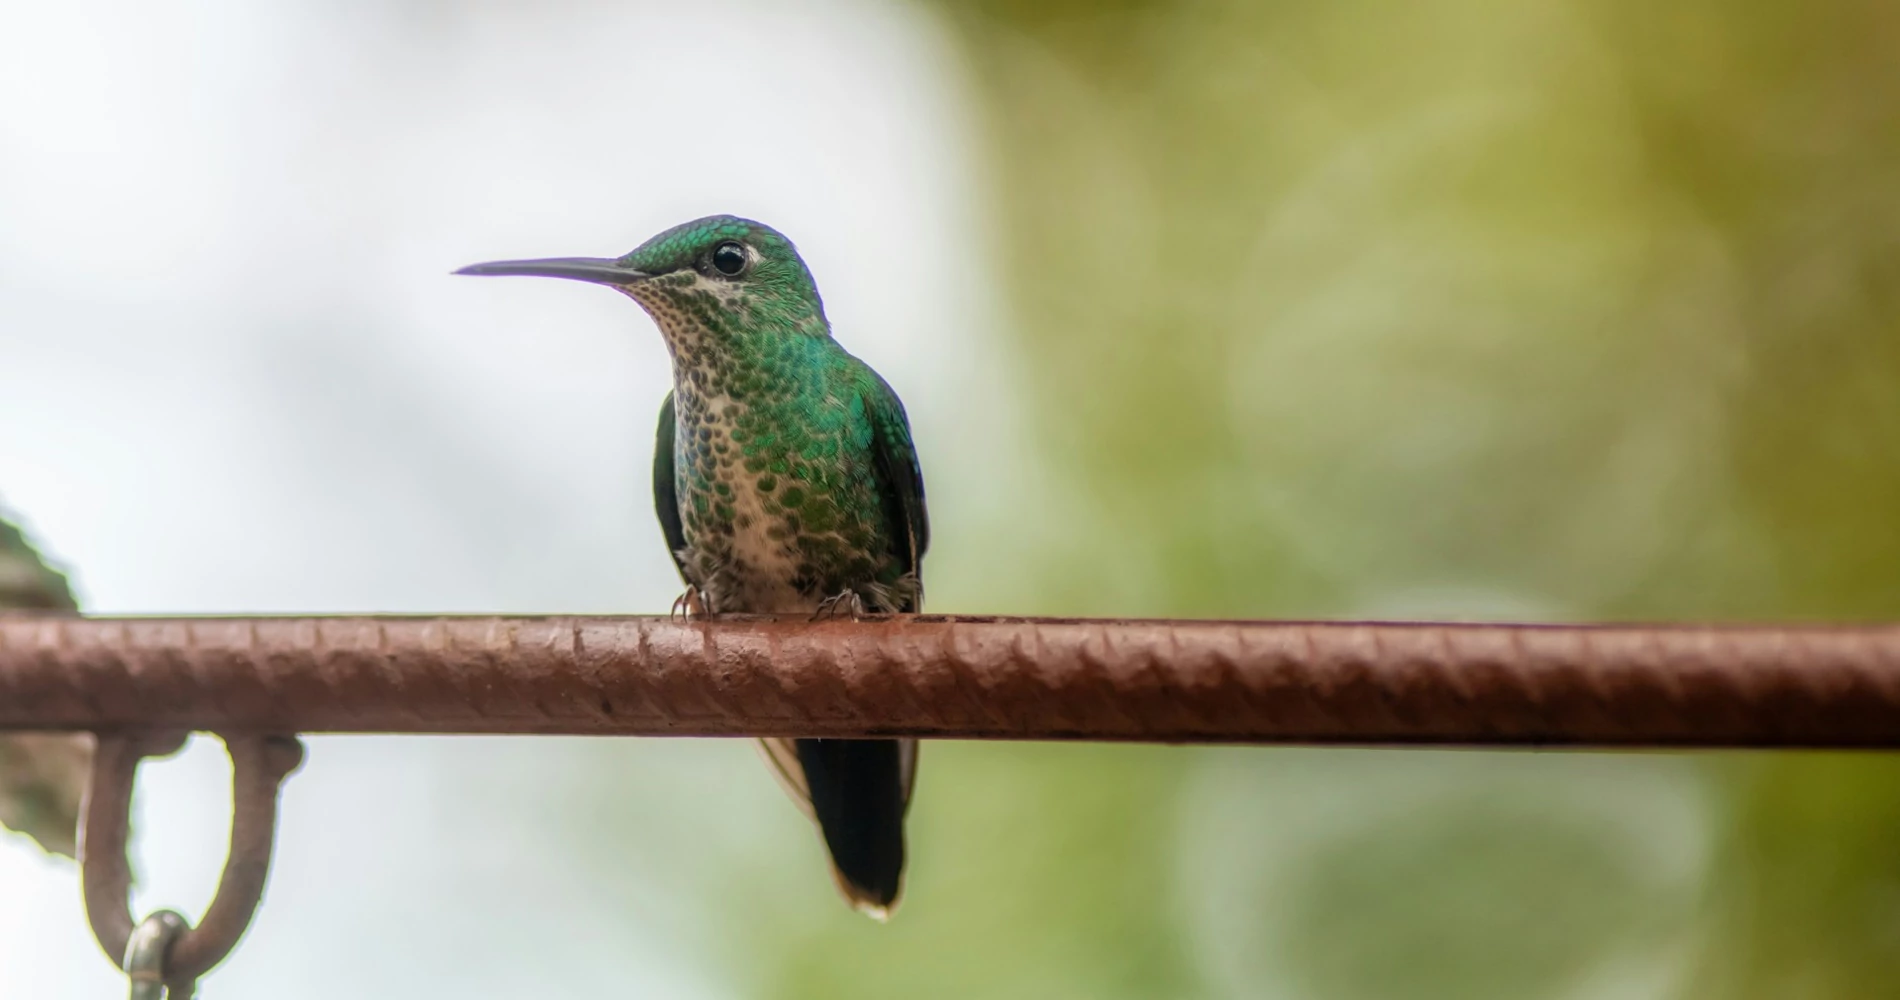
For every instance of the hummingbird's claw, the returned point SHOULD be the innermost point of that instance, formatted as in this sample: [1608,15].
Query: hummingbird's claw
[688,606]
[848,602]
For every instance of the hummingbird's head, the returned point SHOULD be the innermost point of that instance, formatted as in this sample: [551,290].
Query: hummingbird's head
[712,279]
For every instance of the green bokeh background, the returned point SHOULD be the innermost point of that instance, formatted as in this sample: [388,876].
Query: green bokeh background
[1468,309]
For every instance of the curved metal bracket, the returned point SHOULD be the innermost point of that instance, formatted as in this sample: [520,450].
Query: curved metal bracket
[259,765]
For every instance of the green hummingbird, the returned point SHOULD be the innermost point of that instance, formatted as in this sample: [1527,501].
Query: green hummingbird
[786,482]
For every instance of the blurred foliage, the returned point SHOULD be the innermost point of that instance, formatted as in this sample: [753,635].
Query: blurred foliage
[42,775]
[1470,308]
[27,583]
[1806,902]
[1030,877]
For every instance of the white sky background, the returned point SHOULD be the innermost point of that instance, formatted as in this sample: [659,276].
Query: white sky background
[235,375]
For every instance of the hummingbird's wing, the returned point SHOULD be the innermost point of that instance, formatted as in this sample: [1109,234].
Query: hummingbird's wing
[665,500]
[900,481]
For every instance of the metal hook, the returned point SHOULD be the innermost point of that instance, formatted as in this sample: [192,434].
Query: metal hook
[259,765]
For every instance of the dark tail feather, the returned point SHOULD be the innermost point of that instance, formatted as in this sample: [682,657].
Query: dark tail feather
[858,794]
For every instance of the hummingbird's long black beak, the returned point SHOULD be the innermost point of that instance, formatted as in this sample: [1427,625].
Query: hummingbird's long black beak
[600,270]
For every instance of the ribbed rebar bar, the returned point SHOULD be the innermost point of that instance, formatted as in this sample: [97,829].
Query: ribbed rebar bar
[933,676]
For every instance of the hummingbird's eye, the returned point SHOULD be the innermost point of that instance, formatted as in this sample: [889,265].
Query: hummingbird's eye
[729,259]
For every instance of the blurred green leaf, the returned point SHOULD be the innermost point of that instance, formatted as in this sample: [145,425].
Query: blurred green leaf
[42,775]
[27,583]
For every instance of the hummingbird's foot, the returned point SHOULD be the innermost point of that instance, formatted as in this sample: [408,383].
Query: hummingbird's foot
[688,606]
[848,602]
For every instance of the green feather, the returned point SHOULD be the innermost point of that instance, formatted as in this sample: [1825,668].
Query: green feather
[900,479]
[665,500]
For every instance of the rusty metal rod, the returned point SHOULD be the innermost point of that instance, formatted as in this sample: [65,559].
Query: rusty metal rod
[990,678]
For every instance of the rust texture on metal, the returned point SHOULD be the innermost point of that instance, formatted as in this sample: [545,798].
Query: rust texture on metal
[259,765]
[932,676]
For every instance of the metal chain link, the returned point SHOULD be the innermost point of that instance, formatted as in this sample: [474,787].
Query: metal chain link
[148,954]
